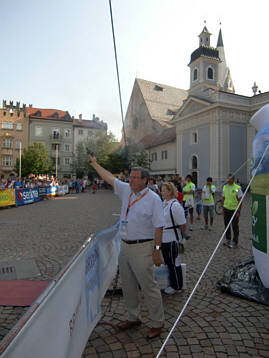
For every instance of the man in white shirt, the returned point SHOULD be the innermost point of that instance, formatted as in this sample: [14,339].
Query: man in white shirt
[141,229]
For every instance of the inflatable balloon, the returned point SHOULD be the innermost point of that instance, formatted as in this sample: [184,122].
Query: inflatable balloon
[260,193]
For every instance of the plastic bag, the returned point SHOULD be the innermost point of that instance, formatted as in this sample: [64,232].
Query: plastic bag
[243,280]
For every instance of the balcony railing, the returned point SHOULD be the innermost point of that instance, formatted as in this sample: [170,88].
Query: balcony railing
[56,137]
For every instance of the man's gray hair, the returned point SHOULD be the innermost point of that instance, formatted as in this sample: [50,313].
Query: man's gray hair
[144,172]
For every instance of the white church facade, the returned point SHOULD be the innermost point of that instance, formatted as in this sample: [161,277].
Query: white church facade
[212,135]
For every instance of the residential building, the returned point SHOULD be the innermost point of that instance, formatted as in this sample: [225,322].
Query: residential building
[13,135]
[161,151]
[53,128]
[83,129]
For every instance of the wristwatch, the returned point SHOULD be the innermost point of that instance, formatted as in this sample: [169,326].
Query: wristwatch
[157,247]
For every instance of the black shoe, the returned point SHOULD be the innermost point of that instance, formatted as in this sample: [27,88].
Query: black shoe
[227,243]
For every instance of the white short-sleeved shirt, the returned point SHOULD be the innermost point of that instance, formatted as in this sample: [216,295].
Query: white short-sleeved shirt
[179,218]
[144,216]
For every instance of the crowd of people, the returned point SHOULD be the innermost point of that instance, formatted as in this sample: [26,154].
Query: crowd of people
[75,185]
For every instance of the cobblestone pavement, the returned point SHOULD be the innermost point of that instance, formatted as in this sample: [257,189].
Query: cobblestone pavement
[213,325]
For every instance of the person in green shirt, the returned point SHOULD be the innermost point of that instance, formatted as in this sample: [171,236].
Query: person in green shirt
[231,196]
[188,198]
[208,203]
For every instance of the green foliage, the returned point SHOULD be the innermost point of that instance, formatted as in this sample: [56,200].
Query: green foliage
[34,160]
[103,146]
[116,162]
[141,159]
[80,162]
[108,154]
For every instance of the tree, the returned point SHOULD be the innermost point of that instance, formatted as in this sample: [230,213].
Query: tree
[141,159]
[80,162]
[34,160]
[102,145]
[116,162]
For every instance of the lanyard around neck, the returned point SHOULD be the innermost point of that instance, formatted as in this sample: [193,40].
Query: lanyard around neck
[130,204]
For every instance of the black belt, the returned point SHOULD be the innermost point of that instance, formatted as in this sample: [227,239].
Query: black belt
[136,241]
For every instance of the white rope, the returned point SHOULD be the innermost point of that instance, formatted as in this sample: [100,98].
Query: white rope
[210,259]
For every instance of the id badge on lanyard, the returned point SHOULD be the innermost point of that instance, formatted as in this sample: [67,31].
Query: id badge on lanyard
[124,223]
[124,229]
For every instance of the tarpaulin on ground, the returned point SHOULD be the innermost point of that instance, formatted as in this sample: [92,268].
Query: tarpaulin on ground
[243,280]
[61,320]
[7,197]
[26,196]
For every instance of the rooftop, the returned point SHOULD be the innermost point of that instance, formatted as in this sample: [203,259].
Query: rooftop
[162,101]
[49,114]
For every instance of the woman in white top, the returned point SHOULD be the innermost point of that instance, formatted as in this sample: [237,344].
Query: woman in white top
[172,235]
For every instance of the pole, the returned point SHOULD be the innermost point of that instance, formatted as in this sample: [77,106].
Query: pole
[118,77]
[20,163]
[56,162]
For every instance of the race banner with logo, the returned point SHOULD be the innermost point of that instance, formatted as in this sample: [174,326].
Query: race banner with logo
[7,197]
[26,196]
[67,312]
[42,191]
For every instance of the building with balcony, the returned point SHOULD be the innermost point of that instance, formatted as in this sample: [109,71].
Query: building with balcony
[54,129]
[14,124]
[83,129]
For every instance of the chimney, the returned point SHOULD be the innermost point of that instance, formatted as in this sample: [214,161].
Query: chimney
[80,116]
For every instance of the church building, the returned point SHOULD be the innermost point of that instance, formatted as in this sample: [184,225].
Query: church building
[212,135]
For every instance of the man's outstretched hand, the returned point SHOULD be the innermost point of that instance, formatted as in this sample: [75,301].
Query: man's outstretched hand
[91,159]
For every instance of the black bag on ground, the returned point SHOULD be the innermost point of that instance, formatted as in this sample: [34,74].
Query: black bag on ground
[244,281]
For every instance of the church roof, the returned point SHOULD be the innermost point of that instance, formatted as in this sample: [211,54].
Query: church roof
[161,100]
[205,30]
[220,41]
[153,139]
[205,51]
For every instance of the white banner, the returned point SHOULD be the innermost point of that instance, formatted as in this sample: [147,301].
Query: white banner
[61,190]
[70,308]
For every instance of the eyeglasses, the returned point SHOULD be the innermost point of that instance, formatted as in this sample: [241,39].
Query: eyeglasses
[131,177]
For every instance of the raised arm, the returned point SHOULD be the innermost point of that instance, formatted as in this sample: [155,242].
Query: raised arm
[104,174]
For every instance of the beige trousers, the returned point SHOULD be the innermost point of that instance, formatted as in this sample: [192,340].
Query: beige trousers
[136,267]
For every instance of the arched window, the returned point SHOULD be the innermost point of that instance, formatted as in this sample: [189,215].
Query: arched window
[194,162]
[195,74]
[210,73]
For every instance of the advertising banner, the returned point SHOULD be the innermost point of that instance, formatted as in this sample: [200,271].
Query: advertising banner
[26,196]
[71,307]
[7,197]
[60,190]
[42,191]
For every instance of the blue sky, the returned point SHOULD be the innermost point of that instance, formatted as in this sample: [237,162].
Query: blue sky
[59,53]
